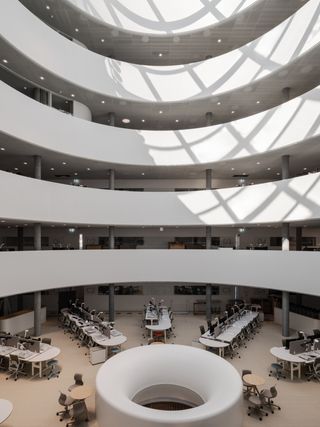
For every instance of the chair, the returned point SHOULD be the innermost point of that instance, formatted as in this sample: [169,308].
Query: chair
[114,350]
[233,347]
[256,406]
[46,341]
[79,413]
[249,388]
[202,330]
[209,324]
[16,367]
[77,381]
[53,372]
[314,371]
[267,398]
[276,370]
[66,402]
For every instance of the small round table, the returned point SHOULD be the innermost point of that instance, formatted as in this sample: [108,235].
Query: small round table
[254,380]
[81,392]
[5,409]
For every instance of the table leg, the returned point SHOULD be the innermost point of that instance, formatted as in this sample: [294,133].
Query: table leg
[291,369]
[165,336]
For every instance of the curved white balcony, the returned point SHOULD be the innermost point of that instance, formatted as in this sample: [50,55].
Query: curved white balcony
[30,200]
[30,271]
[158,32]
[292,128]
[238,80]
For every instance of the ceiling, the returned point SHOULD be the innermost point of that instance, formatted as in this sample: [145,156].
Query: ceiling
[233,32]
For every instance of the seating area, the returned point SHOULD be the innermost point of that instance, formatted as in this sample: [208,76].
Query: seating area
[157,319]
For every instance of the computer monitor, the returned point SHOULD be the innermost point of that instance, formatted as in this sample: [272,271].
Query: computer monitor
[34,346]
[216,331]
[298,346]
[211,329]
[223,319]
[12,341]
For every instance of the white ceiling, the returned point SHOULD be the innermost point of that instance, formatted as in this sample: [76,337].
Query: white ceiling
[233,30]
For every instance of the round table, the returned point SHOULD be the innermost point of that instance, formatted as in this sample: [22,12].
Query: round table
[5,409]
[81,392]
[254,380]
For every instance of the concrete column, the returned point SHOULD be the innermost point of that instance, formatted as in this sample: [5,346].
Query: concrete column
[20,238]
[285,166]
[111,119]
[208,243]
[37,313]
[209,118]
[285,243]
[37,247]
[111,303]
[237,246]
[298,238]
[37,167]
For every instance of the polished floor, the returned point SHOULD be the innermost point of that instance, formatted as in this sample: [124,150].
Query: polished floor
[35,400]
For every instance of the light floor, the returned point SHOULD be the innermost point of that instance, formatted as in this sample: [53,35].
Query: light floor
[35,400]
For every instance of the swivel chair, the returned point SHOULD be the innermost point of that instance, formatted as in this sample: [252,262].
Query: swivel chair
[16,367]
[79,413]
[77,381]
[267,398]
[66,402]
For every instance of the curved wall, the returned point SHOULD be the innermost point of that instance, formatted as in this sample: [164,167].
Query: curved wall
[200,81]
[40,270]
[292,126]
[30,200]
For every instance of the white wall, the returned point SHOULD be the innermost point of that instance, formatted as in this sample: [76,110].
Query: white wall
[297,321]
[81,111]
[283,130]
[39,270]
[296,199]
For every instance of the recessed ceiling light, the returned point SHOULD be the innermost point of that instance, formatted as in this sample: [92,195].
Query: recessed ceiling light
[218,103]
[305,169]
[244,173]
[88,169]
[76,173]
[232,112]
[219,40]
[25,163]
[5,61]
[269,169]
[64,163]
[103,102]
[60,91]
[16,169]
[51,16]
[66,102]
[232,169]
[258,163]
[72,95]
[2,149]
[52,169]
[278,173]
[41,78]
[160,54]
[160,112]
[257,102]
[48,7]
[161,228]
[2,220]
[25,87]
[142,173]
[177,120]
[76,30]
[125,120]
[143,120]
[102,40]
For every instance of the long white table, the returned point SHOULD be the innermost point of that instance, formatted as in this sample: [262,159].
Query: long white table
[294,360]
[224,339]
[5,409]
[164,323]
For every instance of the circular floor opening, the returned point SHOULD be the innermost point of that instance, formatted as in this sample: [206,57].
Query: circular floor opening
[168,397]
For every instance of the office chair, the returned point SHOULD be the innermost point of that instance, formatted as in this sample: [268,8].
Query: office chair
[79,413]
[114,350]
[249,388]
[209,323]
[257,406]
[233,349]
[202,330]
[54,372]
[15,368]
[46,341]
[314,370]
[267,398]
[77,381]
[66,402]
[276,370]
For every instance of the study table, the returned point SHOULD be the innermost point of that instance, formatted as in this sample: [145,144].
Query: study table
[225,338]
[163,323]
[254,380]
[37,360]
[294,360]
[6,408]
[81,392]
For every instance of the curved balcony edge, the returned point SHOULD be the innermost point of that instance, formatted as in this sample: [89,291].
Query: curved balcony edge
[32,200]
[23,272]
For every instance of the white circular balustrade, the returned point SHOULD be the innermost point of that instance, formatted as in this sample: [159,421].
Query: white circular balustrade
[207,384]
